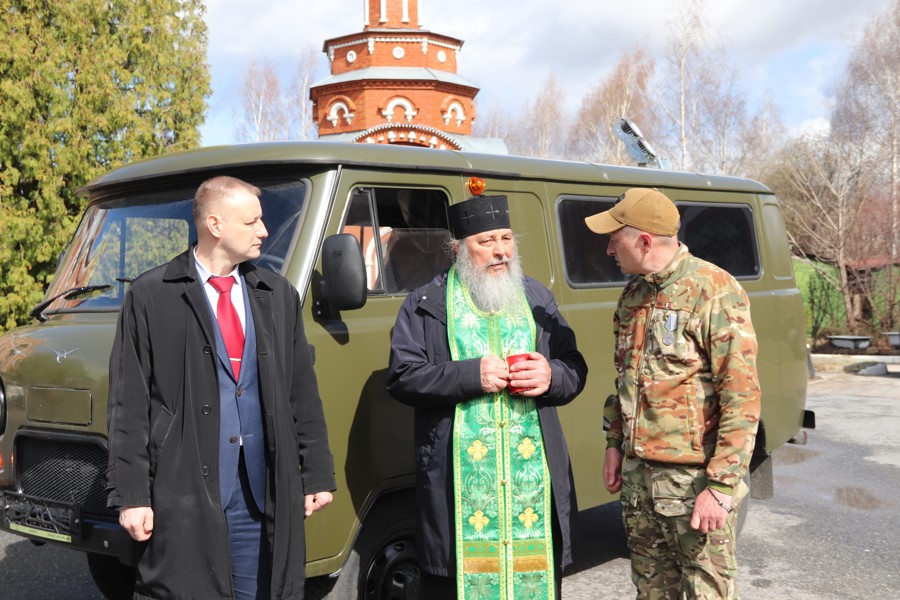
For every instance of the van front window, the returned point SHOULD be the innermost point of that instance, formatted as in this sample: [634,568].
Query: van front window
[118,239]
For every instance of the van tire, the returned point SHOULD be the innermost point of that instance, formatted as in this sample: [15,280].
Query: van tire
[114,580]
[383,564]
[388,559]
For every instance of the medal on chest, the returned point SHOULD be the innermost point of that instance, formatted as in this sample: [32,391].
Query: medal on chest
[671,324]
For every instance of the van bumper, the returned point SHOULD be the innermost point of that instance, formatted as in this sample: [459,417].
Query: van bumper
[98,535]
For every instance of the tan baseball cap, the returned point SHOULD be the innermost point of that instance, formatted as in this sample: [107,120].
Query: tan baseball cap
[642,208]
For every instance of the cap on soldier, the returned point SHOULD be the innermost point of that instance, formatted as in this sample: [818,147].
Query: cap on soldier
[641,208]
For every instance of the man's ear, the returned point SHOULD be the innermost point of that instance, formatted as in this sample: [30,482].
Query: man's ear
[645,241]
[214,226]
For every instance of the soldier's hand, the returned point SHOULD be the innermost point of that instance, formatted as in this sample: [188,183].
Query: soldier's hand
[317,501]
[137,521]
[612,470]
[531,376]
[709,515]
[494,374]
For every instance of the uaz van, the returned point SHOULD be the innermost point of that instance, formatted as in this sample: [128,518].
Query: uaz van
[354,227]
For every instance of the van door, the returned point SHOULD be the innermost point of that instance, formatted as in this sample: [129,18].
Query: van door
[400,221]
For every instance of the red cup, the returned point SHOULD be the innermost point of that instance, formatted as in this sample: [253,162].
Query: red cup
[510,361]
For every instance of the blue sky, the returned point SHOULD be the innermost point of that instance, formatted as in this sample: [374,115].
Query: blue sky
[791,49]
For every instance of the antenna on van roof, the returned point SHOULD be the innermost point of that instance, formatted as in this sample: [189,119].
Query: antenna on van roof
[638,148]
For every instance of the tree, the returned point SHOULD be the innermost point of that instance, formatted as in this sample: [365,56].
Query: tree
[265,118]
[85,85]
[720,125]
[868,109]
[684,82]
[496,123]
[760,140]
[625,93]
[709,127]
[871,93]
[541,130]
[822,191]
[273,112]
[300,107]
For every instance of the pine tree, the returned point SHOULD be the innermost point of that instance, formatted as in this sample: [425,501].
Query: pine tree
[85,85]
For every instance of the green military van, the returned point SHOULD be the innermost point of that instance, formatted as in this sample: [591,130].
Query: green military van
[354,227]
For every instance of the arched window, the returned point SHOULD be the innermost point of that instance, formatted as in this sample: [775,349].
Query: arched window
[455,111]
[339,108]
[408,110]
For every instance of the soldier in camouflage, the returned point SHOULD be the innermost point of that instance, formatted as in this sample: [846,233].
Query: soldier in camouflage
[684,423]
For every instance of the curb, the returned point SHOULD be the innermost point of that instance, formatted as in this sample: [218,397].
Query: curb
[890,359]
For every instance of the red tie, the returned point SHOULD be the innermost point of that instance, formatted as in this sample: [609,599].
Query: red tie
[229,323]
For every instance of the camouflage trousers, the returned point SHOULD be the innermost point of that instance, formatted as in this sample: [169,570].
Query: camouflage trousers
[669,559]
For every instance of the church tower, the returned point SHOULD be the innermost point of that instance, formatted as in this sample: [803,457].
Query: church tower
[396,83]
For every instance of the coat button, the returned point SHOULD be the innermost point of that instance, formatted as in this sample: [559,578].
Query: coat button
[238,392]
[207,349]
[205,470]
[233,439]
[206,409]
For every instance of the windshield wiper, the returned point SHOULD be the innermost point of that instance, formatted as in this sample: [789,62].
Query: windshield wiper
[38,311]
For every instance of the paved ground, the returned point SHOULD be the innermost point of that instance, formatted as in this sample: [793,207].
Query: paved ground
[832,531]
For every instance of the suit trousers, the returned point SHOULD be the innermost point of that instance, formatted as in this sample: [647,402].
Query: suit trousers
[247,544]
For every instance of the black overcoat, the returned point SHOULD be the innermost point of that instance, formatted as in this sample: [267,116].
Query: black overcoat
[164,430]
[423,375]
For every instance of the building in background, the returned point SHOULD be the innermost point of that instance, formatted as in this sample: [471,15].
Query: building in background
[396,83]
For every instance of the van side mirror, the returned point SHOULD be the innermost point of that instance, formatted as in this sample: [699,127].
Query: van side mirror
[343,285]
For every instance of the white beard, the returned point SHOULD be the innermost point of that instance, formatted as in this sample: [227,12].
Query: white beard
[492,292]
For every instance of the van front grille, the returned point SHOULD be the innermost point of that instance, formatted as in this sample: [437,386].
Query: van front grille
[65,471]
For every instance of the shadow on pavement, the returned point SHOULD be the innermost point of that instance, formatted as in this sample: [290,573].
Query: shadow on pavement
[47,572]
[600,537]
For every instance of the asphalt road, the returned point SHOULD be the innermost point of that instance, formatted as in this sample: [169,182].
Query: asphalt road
[832,531]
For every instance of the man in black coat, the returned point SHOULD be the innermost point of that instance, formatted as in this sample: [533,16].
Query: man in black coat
[217,438]
[443,369]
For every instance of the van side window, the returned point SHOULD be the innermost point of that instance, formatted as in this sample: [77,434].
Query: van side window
[584,252]
[723,235]
[403,234]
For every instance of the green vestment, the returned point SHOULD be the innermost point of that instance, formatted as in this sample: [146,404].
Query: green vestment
[501,486]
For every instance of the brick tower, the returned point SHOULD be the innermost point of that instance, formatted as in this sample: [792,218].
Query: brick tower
[396,83]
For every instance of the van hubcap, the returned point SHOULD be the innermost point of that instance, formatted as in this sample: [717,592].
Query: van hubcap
[393,573]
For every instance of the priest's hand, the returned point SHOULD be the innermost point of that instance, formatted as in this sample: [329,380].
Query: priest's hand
[531,377]
[494,374]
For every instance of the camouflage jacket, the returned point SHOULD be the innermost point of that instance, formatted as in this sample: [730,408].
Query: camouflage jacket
[686,361]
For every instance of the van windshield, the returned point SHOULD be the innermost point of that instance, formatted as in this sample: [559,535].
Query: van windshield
[120,238]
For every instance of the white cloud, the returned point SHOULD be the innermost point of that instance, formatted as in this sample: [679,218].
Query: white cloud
[816,126]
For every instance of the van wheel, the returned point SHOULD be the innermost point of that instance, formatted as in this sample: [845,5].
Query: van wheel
[383,564]
[114,580]
[388,561]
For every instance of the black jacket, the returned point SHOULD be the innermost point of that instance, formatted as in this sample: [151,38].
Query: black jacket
[422,375]
[164,429]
